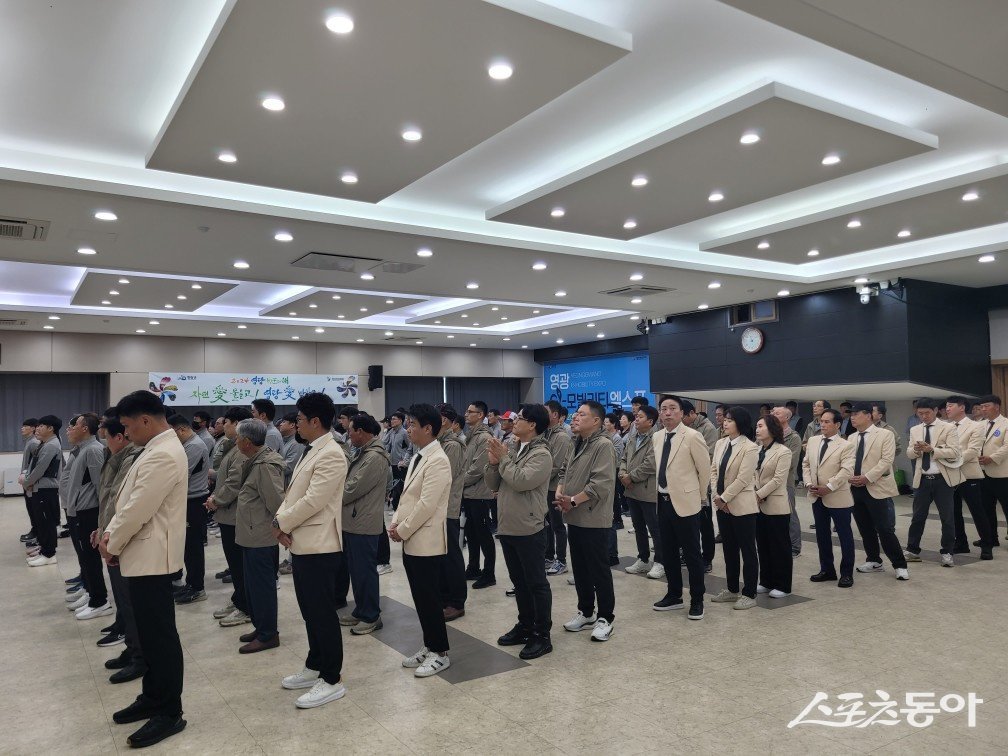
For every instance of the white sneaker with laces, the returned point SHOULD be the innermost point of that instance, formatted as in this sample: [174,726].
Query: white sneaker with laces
[602,631]
[657,572]
[91,612]
[237,617]
[71,597]
[321,693]
[41,561]
[775,593]
[579,622]
[870,567]
[762,589]
[412,662]
[947,561]
[306,678]
[902,573]
[432,664]
[224,612]
[570,580]
[639,568]
[82,601]
[384,569]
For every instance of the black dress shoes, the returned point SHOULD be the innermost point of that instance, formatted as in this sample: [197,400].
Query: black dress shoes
[667,604]
[123,660]
[485,581]
[516,636]
[996,543]
[156,730]
[538,645]
[472,573]
[140,709]
[845,582]
[986,555]
[961,550]
[126,674]
[823,577]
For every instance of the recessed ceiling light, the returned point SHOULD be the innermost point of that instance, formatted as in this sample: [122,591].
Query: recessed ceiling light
[783,293]
[54,317]
[48,327]
[831,159]
[221,333]
[500,70]
[503,317]
[336,296]
[169,307]
[494,309]
[124,280]
[635,317]
[590,325]
[158,322]
[240,264]
[141,330]
[273,103]
[968,197]
[763,245]
[419,343]
[113,292]
[714,285]
[750,137]
[473,344]
[292,313]
[861,280]
[475,324]
[903,234]
[320,330]
[363,309]
[985,258]
[472,285]
[559,341]
[412,134]
[181,296]
[539,266]
[545,333]
[463,315]
[535,312]
[312,306]
[451,336]
[853,223]
[715,196]
[86,251]
[639,180]
[558,212]
[283,236]
[196,286]
[560,293]
[636,300]
[703,306]
[637,277]
[506,338]
[227,157]
[348,177]
[389,333]
[524,346]
[106,215]
[813,253]
[424,252]
[339,23]
[296,338]
[360,341]
[437,322]
[105,302]
[629,224]
[367,276]
[242,326]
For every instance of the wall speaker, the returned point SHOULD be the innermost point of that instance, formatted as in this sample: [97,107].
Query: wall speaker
[375,377]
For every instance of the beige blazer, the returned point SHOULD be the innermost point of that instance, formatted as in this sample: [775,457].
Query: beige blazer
[945,441]
[148,529]
[739,489]
[877,464]
[834,471]
[996,447]
[688,468]
[311,509]
[423,506]
[771,480]
[971,438]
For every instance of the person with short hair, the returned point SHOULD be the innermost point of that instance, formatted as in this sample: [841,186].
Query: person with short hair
[773,542]
[993,460]
[708,539]
[265,410]
[638,472]
[201,426]
[971,438]
[559,441]
[453,582]
[845,424]
[42,481]
[31,443]
[794,443]
[198,458]
[493,423]
[828,468]
[477,499]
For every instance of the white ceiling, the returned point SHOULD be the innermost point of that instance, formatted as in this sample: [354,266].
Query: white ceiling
[89,85]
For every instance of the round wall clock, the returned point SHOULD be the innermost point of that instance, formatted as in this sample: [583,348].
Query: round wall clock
[752,340]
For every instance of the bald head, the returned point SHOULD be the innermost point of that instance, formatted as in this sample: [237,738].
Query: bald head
[783,414]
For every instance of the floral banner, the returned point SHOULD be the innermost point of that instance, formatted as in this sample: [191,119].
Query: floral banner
[189,389]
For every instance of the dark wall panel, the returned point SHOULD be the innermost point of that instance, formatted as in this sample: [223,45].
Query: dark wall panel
[498,393]
[402,391]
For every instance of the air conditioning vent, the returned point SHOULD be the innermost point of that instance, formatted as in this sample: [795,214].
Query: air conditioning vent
[397,267]
[636,291]
[331,261]
[12,323]
[23,229]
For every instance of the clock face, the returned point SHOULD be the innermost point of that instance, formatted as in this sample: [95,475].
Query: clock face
[752,340]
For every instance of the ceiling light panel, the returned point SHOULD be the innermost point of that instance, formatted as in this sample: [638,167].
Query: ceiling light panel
[788,157]
[486,314]
[146,292]
[377,57]
[348,305]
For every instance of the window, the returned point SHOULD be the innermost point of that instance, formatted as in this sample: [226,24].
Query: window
[754,312]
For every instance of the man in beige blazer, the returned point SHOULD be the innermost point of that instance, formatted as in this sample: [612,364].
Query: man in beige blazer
[994,460]
[419,524]
[934,445]
[826,469]
[146,538]
[309,524]
[971,438]
[683,470]
[874,486]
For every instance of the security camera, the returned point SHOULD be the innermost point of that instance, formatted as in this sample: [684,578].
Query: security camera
[865,298]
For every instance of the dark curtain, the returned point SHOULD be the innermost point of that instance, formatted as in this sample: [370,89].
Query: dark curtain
[24,395]
[498,393]
[402,391]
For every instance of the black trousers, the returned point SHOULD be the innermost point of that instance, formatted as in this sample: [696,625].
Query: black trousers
[738,538]
[644,516]
[556,531]
[773,546]
[453,582]
[707,544]
[124,614]
[359,570]
[315,587]
[423,574]
[31,514]
[840,517]
[154,609]
[479,536]
[384,546]
[876,522]
[969,491]
[589,552]
[81,526]
[932,488]
[992,490]
[235,563]
[47,517]
[681,533]
[398,476]
[259,571]
[195,536]
[526,565]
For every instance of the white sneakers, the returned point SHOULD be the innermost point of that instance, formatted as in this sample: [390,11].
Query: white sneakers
[725,597]
[235,618]
[71,597]
[870,567]
[778,594]
[92,612]
[77,604]
[602,631]
[657,572]
[639,568]
[412,662]
[762,589]
[432,664]
[306,678]
[579,622]
[224,611]
[946,560]
[41,561]
[902,573]
[321,693]
[384,569]
[570,580]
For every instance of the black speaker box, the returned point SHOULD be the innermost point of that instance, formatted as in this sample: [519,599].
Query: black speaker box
[375,377]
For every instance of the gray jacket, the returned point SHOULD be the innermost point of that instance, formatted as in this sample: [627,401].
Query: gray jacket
[84,472]
[46,465]
[475,462]
[364,490]
[198,457]
[559,440]
[591,468]
[793,442]
[709,432]
[229,481]
[259,498]
[454,448]
[638,462]
[274,439]
[30,446]
[398,445]
[521,480]
[291,451]
[206,438]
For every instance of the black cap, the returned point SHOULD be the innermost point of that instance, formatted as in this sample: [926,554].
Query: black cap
[862,407]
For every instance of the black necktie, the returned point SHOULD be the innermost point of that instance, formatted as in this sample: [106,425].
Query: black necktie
[762,456]
[666,448]
[990,427]
[723,468]
[859,456]
[926,458]
[413,464]
[304,454]
[822,449]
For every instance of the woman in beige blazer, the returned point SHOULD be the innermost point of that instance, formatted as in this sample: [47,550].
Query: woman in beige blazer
[773,539]
[732,480]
